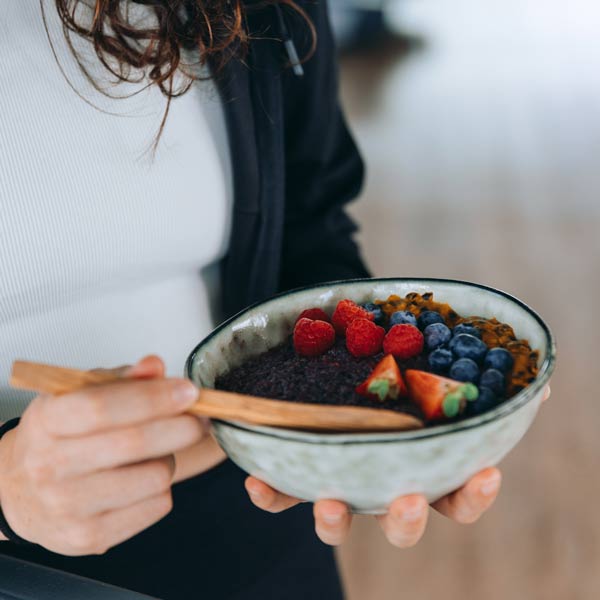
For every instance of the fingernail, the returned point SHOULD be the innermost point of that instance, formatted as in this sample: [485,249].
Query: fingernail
[490,486]
[413,514]
[332,518]
[185,393]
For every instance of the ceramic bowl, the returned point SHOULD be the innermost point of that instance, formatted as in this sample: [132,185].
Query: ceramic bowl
[369,470]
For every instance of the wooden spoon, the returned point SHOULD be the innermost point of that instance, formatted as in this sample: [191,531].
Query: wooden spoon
[226,405]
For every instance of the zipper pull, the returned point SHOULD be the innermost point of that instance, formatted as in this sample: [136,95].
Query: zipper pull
[288,44]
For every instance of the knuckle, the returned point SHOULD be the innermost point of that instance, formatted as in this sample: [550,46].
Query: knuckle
[56,500]
[150,393]
[161,476]
[191,427]
[96,407]
[158,396]
[35,409]
[43,412]
[100,549]
[39,467]
[133,441]
[165,503]
[84,538]
[60,461]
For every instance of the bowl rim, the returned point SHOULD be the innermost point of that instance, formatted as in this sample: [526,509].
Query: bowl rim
[500,412]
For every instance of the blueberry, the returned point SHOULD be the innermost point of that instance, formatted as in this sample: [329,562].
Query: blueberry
[376,310]
[500,359]
[464,328]
[494,380]
[436,335]
[468,346]
[403,316]
[440,360]
[429,317]
[465,369]
[486,400]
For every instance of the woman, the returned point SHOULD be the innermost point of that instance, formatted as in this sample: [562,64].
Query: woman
[108,253]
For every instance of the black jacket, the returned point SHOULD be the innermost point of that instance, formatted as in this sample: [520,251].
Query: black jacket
[295,164]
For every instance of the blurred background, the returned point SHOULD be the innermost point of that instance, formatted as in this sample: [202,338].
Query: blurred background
[479,121]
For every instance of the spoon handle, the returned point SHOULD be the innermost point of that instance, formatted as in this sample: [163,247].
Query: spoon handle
[227,405]
[49,379]
[298,415]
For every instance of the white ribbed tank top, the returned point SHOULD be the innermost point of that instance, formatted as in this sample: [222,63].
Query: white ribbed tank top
[105,253]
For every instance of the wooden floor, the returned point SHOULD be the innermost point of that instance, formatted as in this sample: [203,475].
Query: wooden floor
[483,151]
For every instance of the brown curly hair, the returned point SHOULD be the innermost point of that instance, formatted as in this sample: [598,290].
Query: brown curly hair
[153,52]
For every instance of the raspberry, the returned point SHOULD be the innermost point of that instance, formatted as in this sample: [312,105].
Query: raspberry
[345,312]
[364,338]
[312,338]
[403,341]
[314,314]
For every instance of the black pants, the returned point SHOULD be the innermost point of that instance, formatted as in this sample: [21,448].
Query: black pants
[214,545]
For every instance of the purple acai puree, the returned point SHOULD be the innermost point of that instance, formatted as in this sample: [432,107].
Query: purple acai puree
[331,378]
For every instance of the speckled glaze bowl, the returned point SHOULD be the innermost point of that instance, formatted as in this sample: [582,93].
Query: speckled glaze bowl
[367,471]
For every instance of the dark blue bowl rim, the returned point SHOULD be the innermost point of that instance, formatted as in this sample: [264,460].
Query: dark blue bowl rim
[503,410]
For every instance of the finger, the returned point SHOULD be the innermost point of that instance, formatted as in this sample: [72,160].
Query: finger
[75,457]
[332,521]
[105,407]
[121,487]
[547,393]
[147,367]
[120,525]
[405,521]
[467,504]
[266,498]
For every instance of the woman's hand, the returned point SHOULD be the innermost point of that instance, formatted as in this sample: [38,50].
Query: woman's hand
[405,521]
[87,470]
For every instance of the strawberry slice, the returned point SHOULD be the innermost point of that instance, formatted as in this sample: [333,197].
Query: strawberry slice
[438,396]
[385,381]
